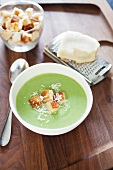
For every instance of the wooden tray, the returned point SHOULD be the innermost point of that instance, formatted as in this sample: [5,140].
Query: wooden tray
[90,145]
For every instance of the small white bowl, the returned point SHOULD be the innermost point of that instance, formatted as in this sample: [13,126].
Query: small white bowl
[21,32]
[49,68]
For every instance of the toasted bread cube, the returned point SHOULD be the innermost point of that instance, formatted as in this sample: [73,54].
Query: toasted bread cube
[6,35]
[11,42]
[15,18]
[35,101]
[26,37]
[34,19]
[16,37]
[28,27]
[17,11]
[21,15]
[14,27]
[29,11]
[4,26]
[47,95]
[35,24]
[52,106]
[20,25]
[7,24]
[26,20]
[5,14]
[4,21]
[59,97]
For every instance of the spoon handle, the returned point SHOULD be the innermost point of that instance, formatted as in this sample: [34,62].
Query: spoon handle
[6,132]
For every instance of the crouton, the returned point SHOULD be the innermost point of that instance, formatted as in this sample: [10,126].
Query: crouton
[59,97]
[47,95]
[52,106]
[35,101]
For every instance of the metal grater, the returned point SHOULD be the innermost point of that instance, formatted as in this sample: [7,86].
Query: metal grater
[92,72]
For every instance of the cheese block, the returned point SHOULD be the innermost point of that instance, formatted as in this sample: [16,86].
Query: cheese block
[78,47]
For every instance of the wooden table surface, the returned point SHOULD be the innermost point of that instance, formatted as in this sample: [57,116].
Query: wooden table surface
[90,145]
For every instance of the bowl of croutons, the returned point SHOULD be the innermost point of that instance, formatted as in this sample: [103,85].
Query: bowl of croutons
[50,98]
[21,25]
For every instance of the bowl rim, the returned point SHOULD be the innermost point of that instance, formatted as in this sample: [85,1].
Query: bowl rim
[52,131]
[22,2]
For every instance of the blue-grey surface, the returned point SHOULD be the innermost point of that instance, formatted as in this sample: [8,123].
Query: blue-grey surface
[110,2]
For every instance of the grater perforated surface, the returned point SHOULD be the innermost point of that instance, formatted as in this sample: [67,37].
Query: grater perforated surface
[93,72]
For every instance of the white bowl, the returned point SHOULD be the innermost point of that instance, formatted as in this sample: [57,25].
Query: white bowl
[50,68]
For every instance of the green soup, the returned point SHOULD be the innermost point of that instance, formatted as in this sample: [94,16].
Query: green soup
[68,114]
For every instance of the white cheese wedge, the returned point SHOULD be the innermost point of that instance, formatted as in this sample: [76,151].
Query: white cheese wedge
[78,47]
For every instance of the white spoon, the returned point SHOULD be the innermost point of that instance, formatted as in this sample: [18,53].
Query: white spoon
[17,67]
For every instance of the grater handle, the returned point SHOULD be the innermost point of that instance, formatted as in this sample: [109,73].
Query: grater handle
[105,70]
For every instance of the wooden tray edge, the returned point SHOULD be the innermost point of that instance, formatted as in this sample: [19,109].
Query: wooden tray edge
[102,4]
